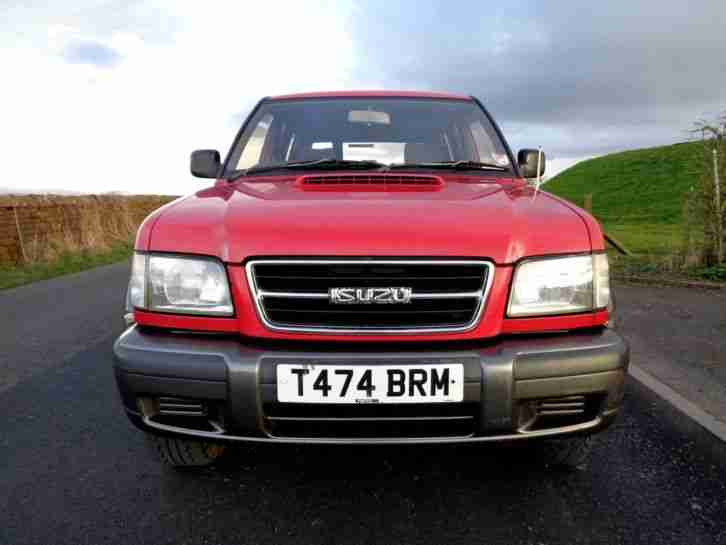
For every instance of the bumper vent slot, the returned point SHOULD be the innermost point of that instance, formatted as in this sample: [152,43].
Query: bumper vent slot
[294,295]
[370,182]
[555,412]
[561,406]
[179,406]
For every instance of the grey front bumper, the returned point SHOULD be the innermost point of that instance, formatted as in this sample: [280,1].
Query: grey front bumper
[501,375]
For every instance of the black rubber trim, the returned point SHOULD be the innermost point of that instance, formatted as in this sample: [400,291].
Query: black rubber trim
[612,354]
[598,424]
[512,161]
[234,370]
[162,354]
[182,387]
[224,171]
[208,358]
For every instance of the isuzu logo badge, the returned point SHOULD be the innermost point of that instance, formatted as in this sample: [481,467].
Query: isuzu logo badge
[369,296]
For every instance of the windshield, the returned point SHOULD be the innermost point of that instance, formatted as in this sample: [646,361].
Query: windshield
[386,130]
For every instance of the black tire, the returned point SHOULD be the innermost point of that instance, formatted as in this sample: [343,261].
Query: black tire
[565,454]
[180,453]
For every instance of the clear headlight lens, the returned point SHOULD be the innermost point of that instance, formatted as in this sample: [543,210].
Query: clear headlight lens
[602,280]
[137,285]
[185,285]
[560,286]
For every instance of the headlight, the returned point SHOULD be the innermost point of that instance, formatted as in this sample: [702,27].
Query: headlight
[562,285]
[184,285]
[136,294]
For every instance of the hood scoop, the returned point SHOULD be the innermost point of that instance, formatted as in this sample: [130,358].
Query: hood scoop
[369,182]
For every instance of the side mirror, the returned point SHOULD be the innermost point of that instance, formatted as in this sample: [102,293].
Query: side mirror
[205,163]
[528,159]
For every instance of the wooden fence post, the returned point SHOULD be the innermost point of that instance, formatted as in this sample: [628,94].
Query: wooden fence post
[588,202]
[717,206]
[20,235]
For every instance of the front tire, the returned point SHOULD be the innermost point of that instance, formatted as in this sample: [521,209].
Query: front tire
[181,453]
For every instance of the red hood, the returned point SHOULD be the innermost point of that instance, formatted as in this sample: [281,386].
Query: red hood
[498,219]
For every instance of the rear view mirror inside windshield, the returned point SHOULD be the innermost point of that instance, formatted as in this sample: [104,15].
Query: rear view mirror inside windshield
[369,116]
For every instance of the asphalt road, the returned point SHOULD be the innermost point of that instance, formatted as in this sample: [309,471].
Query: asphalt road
[72,470]
[679,336]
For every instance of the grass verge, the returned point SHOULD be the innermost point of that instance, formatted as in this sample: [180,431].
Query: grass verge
[659,266]
[66,263]
[638,196]
[637,187]
[653,239]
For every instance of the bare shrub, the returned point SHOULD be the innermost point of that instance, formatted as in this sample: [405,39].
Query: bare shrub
[706,205]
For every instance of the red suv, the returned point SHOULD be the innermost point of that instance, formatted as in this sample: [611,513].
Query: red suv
[370,267]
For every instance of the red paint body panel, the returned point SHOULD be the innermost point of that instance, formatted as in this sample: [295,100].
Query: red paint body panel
[502,220]
[461,216]
[371,94]
[554,323]
[467,216]
[593,227]
[193,323]
[143,235]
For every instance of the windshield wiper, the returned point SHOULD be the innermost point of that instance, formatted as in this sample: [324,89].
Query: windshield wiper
[302,165]
[454,165]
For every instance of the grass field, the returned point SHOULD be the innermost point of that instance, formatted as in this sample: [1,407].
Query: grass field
[71,262]
[638,195]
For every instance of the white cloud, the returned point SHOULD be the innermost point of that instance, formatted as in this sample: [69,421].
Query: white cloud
[175,87]
[560,164]
[151,80]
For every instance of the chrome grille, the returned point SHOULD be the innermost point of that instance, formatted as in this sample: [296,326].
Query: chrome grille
[293,295]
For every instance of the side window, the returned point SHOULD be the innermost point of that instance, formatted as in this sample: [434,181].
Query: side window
[488,153]
[253,150]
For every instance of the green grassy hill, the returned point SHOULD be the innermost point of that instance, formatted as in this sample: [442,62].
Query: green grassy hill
[638,195]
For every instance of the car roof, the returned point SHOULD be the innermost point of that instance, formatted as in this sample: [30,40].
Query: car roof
[367,94]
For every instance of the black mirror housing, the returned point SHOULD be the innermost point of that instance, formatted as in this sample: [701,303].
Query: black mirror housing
[527,160]
[205,163]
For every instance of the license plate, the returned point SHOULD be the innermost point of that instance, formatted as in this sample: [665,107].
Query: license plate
[373,384]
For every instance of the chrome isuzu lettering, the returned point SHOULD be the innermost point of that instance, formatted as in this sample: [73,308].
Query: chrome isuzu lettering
[367,296]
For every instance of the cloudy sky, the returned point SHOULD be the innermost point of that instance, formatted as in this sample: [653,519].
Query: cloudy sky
[113,95]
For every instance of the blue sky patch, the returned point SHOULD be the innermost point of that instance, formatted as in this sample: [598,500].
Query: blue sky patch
[92,53]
